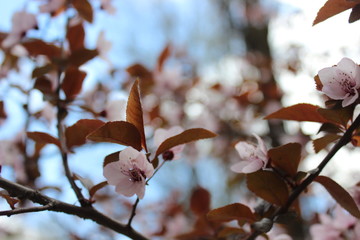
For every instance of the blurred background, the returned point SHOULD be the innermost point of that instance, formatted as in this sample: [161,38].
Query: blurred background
[218,64]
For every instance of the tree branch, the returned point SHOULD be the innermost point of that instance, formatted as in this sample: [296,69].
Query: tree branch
[51,204]
[345,139]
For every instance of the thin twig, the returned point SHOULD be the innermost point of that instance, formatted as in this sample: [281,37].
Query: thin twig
[133,212]
[26,210]
[345,139]
[22,192]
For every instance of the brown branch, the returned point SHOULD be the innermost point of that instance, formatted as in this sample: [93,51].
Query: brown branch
[26,210]
[345,139]
[22,192]
[133,212]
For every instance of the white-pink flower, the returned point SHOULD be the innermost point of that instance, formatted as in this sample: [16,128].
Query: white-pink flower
[21,23]
[129,174]
[341,82]
[161,135]
[252,157]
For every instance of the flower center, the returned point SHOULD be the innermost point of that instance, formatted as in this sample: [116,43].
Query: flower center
[347,85]
[135,174]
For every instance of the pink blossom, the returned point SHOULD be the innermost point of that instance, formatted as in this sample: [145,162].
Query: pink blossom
[52,6]
[129,173]
[103,46]
[108,7]
[21,23]
[161,135]
[341,82]
[252,157]
[116,110]
[341,223]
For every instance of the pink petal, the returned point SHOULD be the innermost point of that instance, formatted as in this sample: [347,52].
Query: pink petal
[128,154]
[247,166]
[350,99]
[245,149]
[113,173]
[348,66]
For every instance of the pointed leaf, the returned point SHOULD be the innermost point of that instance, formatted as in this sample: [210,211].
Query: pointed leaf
[76,134]
[41,71]
[72,82]
[81,56]
[355,14]
[112,157]
[134,112]
[340,116]
[200,201]
[84,9]
[96,188]
[37,47]
[162,58]
[120,132]
[187,136]
[299,112]
[321,143]
[286,157]
[331,8]
[341,196]
[75,36]
[43,138]
[269,186]
[235,211]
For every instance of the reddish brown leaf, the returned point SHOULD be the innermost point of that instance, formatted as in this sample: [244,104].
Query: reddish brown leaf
[340,116]
[134,112]
[138,70]
[2,110]
[269,186]
[84,9]
[72,82]
[44,85]
[331,8]
[162,58]
[76,134]
[299,112]
[43,138]
[318,83]
[96,188]
[321,143]
[75,36]
[120,132]
[112,157]
[41,71]
[200,201]
[355,14]
[235,211]
[37,47]
[145,76]
[187,136]
[81,56]
[286,157]
[341,196]
[11,201]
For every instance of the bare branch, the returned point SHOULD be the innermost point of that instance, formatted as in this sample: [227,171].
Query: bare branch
[26,210]
[87,212]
